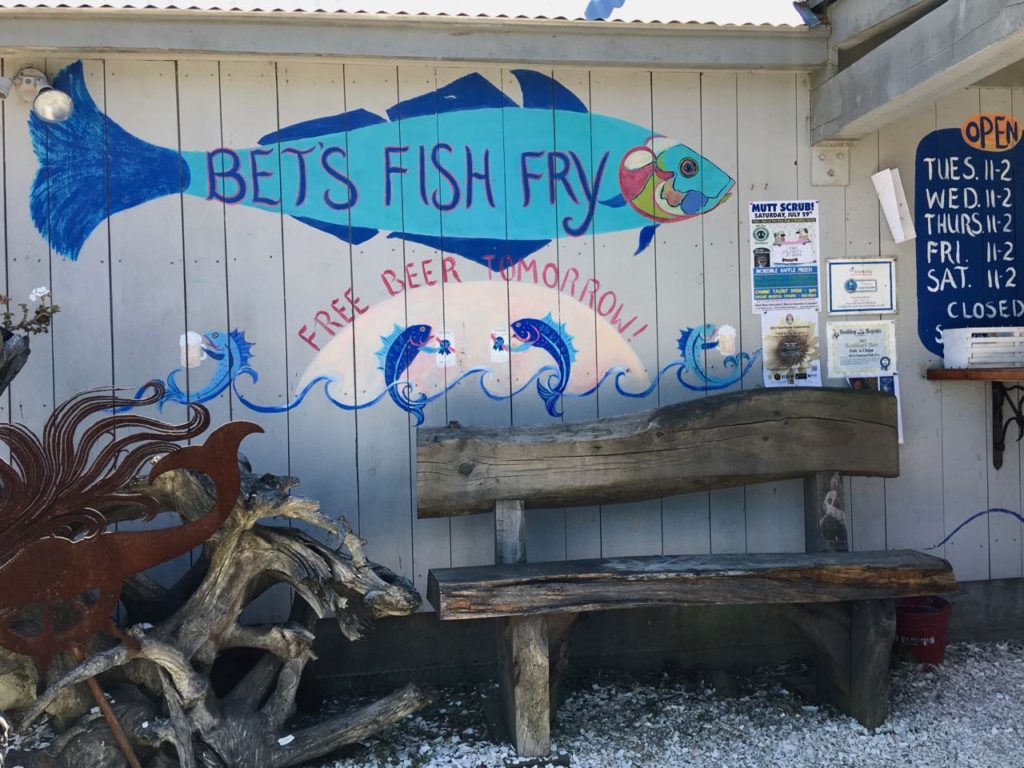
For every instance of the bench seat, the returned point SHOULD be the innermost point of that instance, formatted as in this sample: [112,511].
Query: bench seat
[843,602]
[524,589]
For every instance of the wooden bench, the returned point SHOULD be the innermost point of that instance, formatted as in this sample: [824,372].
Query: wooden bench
[843,601]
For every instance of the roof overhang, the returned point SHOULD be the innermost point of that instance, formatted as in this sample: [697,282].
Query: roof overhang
[71,31]
[954,45]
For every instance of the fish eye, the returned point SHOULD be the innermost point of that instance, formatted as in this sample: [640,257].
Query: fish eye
[688,167]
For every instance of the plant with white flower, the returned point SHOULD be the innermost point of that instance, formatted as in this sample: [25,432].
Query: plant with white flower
[36,319]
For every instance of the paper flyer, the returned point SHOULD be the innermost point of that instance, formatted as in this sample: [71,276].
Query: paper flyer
[791,352]
[784,255]
[862,348]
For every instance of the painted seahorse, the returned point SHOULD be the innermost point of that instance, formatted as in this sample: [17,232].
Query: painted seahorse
[400,348]
[232,353]
[550,336]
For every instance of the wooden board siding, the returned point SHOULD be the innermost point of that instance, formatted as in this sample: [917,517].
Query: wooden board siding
[182,263]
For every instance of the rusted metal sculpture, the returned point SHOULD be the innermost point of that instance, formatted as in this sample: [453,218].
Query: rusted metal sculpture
[62,572]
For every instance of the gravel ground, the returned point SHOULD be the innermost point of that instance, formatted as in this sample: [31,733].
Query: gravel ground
[963,713]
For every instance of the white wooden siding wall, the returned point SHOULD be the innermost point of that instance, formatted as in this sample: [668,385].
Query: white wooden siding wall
[180,262]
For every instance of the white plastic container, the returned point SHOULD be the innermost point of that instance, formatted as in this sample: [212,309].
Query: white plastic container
[983,347]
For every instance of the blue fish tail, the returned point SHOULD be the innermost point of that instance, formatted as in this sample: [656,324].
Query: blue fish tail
[407,404]
[174,393]
[90,168]
[550,392]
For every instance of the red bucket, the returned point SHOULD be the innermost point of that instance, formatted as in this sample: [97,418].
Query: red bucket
[922,624]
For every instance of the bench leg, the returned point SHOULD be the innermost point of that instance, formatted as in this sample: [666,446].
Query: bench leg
[524,671]
[853,645]
[559,627]
[872,631]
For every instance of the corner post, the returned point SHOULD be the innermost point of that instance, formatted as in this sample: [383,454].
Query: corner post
[523,663]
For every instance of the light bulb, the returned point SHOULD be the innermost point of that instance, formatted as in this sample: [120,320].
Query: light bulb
[53,106]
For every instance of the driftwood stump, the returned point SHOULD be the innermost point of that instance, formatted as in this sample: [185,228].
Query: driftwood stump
[163,692]
[14,354]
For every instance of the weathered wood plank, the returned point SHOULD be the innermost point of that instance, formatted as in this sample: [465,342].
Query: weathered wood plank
[719,442]
[523,660]
[509,531]
[587,585]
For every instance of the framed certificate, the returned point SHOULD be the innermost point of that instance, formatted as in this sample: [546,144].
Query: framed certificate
[863,348]
[861,286]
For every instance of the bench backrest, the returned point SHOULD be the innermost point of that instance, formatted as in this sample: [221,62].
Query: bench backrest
[715,442]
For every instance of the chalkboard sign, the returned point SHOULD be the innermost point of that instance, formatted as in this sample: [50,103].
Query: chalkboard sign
[966,211]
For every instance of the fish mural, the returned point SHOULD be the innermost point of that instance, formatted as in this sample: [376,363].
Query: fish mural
[231,352]
[551,336]
[401,347]
[416,364]
[431,170]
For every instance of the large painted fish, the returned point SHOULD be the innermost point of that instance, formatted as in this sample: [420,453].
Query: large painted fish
[427,173]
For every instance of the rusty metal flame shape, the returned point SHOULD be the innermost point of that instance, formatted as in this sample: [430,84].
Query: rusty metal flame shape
[54,546]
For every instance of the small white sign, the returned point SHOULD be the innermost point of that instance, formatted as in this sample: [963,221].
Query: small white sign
[446,357]
[861,286]
[499,345]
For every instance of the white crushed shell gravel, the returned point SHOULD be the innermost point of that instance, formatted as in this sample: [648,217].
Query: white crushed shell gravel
[964,713]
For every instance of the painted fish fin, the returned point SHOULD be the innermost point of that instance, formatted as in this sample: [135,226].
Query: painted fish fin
[353,235]
[646,236]
[614,202]
[91,168]
[323,126]
[474,91]
[477,248]
[541,91]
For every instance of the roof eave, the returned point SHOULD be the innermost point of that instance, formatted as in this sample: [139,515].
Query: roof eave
[555,42]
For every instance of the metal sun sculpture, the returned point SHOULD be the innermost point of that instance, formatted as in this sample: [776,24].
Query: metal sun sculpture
[62,571]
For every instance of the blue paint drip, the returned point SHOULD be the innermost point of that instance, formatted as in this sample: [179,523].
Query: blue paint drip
[602,9]
[972,518]
[91,168]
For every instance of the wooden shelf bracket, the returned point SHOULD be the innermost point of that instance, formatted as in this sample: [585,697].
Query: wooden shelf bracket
[1011,396]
